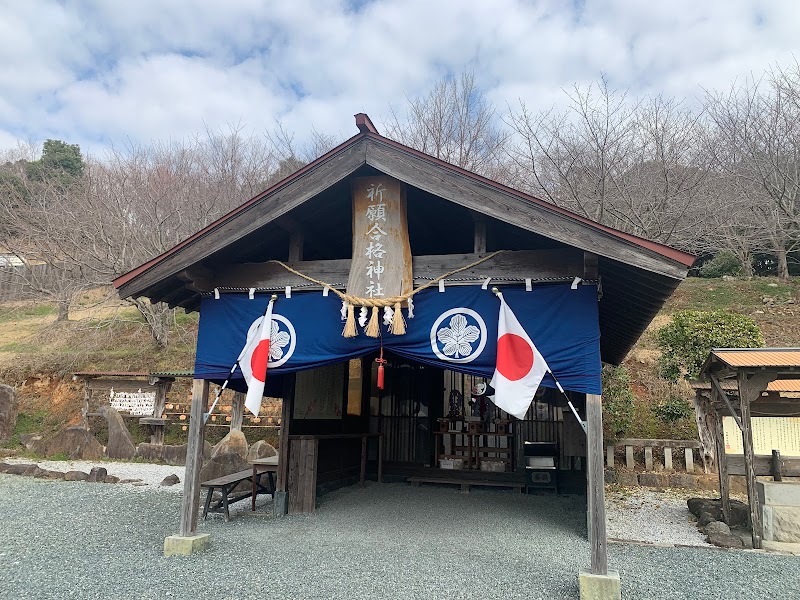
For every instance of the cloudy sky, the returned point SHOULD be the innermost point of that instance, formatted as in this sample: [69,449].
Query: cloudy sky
[95,72]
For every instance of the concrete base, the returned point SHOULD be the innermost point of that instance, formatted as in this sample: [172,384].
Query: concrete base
[781,547]
[177,545]
[599,587]
[280,504]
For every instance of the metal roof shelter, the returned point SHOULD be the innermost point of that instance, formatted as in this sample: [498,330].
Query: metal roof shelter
[761,377]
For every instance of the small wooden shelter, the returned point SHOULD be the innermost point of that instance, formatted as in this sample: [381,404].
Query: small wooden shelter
[308,241]
[750,371]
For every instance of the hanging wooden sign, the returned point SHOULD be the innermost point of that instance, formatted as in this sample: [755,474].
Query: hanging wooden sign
[381,265]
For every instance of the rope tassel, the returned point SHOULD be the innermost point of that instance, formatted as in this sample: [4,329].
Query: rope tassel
[350,330]
[398,323]
[373,329]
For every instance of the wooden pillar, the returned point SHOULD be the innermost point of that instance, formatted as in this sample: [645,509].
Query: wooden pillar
[237,411]
[157,435]
[595,476]
[281,503]
[296,246]
[749,459]
[194,459]
[722,464]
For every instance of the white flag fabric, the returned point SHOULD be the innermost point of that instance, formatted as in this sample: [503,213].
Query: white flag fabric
[519,369]
[254,358]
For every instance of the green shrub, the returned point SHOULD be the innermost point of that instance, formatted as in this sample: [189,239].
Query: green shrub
[686,342]
[617,402]
[673,409]
[723,263]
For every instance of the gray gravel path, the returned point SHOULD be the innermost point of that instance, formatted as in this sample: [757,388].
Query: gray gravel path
[80,540]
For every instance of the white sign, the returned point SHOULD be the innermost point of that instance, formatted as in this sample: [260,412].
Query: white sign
[136,404]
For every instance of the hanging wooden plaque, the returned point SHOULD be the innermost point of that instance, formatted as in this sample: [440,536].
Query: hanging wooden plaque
[381,265]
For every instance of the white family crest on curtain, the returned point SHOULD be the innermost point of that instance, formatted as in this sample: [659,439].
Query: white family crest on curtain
[458,335]
[282,339]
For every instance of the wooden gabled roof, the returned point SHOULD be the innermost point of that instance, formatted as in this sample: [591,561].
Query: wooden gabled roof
[642,272]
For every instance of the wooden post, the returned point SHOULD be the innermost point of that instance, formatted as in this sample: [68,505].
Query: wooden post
[281,503]
[363,474]
[85,409]
[380,457]
[745,392]
[296,247]
[595,476]
[777,474]
[480,236]
[237,411]
[157,435]
[721,458]
[194,459]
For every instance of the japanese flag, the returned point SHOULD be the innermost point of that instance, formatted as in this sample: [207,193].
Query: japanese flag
[253,359]
[520,368]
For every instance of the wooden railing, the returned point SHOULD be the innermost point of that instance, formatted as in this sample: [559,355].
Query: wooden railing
[667,446]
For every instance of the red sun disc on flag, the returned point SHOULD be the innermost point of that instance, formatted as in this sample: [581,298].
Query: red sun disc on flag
[514,356]
[258,362]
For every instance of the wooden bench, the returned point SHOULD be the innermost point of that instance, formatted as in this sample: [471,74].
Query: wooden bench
[466,483]
[227,483]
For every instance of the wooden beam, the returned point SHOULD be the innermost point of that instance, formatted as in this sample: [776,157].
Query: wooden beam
[253,217]
[194,459]
[237,411]
[535,264]
[724,397]
[595,476]
[120,384]
[512,209]
[590,265]
[281,503]
[763,465]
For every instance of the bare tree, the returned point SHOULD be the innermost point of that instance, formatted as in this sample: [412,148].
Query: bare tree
[758,123]
[453,122]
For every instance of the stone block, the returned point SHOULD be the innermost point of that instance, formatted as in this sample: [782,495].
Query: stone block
[682,480]
[599,587]
[178,545]
[782,523]
[627,479]
[778,492]
[656,480]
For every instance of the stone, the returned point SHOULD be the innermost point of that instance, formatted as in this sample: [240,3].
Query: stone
[170,480]
[29,440]
[8,411]
[120,444]
[233,443]
[724,540]
[4,467]
[627,479]
[225,464]
[261,449]
[130,481]
[599,587]
[740,512]
[610,476]
[704,519]
[682,480]
[77,443]
[656,480]
[178,545]
[175,455]
[783,493]
[75,476]
[717,527]
[111,479]
[22,469]
[785,524]
[97,475]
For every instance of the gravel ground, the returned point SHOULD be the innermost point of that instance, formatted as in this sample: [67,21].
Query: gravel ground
[82,540]
[657,517]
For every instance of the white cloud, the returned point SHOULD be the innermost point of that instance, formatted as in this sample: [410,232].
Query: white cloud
[93,72]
